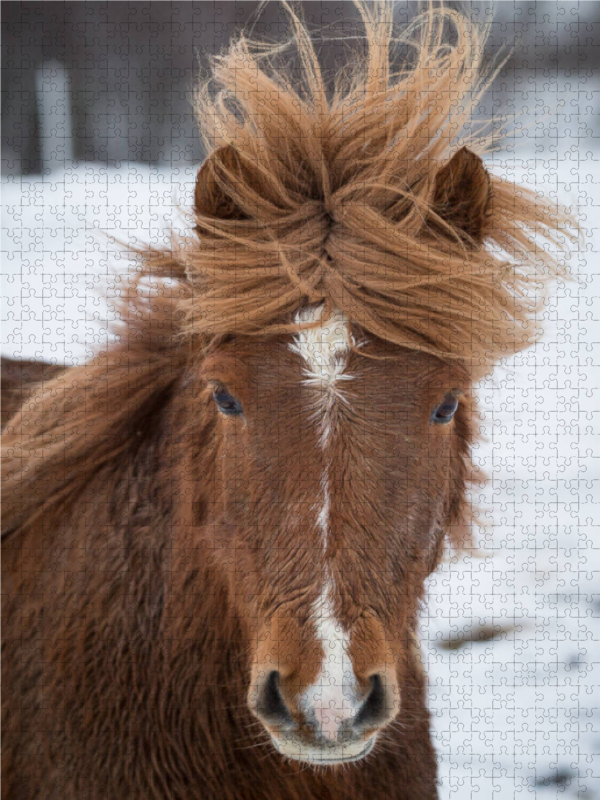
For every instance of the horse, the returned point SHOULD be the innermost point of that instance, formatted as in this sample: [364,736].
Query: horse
[216,532]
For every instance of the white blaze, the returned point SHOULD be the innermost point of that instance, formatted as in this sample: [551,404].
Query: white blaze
[323,518]
[325,349]
[332,697]
[325,352]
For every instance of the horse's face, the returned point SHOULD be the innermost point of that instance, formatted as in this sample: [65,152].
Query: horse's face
[334,476]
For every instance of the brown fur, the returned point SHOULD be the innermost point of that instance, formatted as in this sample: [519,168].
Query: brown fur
[19,380]
[162,554]
[126,659]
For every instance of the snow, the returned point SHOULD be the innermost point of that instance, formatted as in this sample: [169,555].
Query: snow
[59,264]
[519,715]
[513,716]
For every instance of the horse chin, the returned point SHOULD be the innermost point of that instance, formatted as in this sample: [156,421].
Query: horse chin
[324,756]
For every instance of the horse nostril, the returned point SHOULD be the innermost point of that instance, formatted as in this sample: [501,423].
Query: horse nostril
[375,710]
[270,705]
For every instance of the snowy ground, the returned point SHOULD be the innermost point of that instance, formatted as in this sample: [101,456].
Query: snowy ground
[519,715]
[58,262]
[515,715]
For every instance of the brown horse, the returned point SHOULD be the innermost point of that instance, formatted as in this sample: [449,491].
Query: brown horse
[216,533]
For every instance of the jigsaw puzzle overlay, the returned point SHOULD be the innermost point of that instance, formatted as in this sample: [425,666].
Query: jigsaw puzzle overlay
[510,631]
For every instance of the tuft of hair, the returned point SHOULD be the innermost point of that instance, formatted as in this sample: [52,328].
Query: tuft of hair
[369,196]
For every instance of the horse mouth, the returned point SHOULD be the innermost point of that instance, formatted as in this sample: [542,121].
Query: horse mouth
[318,757]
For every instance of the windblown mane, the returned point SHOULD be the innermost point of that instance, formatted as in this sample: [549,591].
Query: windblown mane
[124,644]
[331,195]
[327,196]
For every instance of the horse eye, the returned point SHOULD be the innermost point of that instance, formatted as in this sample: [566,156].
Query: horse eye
[226,403]
[442,414]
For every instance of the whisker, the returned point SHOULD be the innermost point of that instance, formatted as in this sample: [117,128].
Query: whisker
[253,746]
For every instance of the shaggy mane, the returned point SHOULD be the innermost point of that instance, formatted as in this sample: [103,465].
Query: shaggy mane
[122,637]
[332,197]
[333,201]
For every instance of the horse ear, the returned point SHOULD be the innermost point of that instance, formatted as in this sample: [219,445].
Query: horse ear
[462,194]
[210,197]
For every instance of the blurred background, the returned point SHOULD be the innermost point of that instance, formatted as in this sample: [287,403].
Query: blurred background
[99,145]
[111,82]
